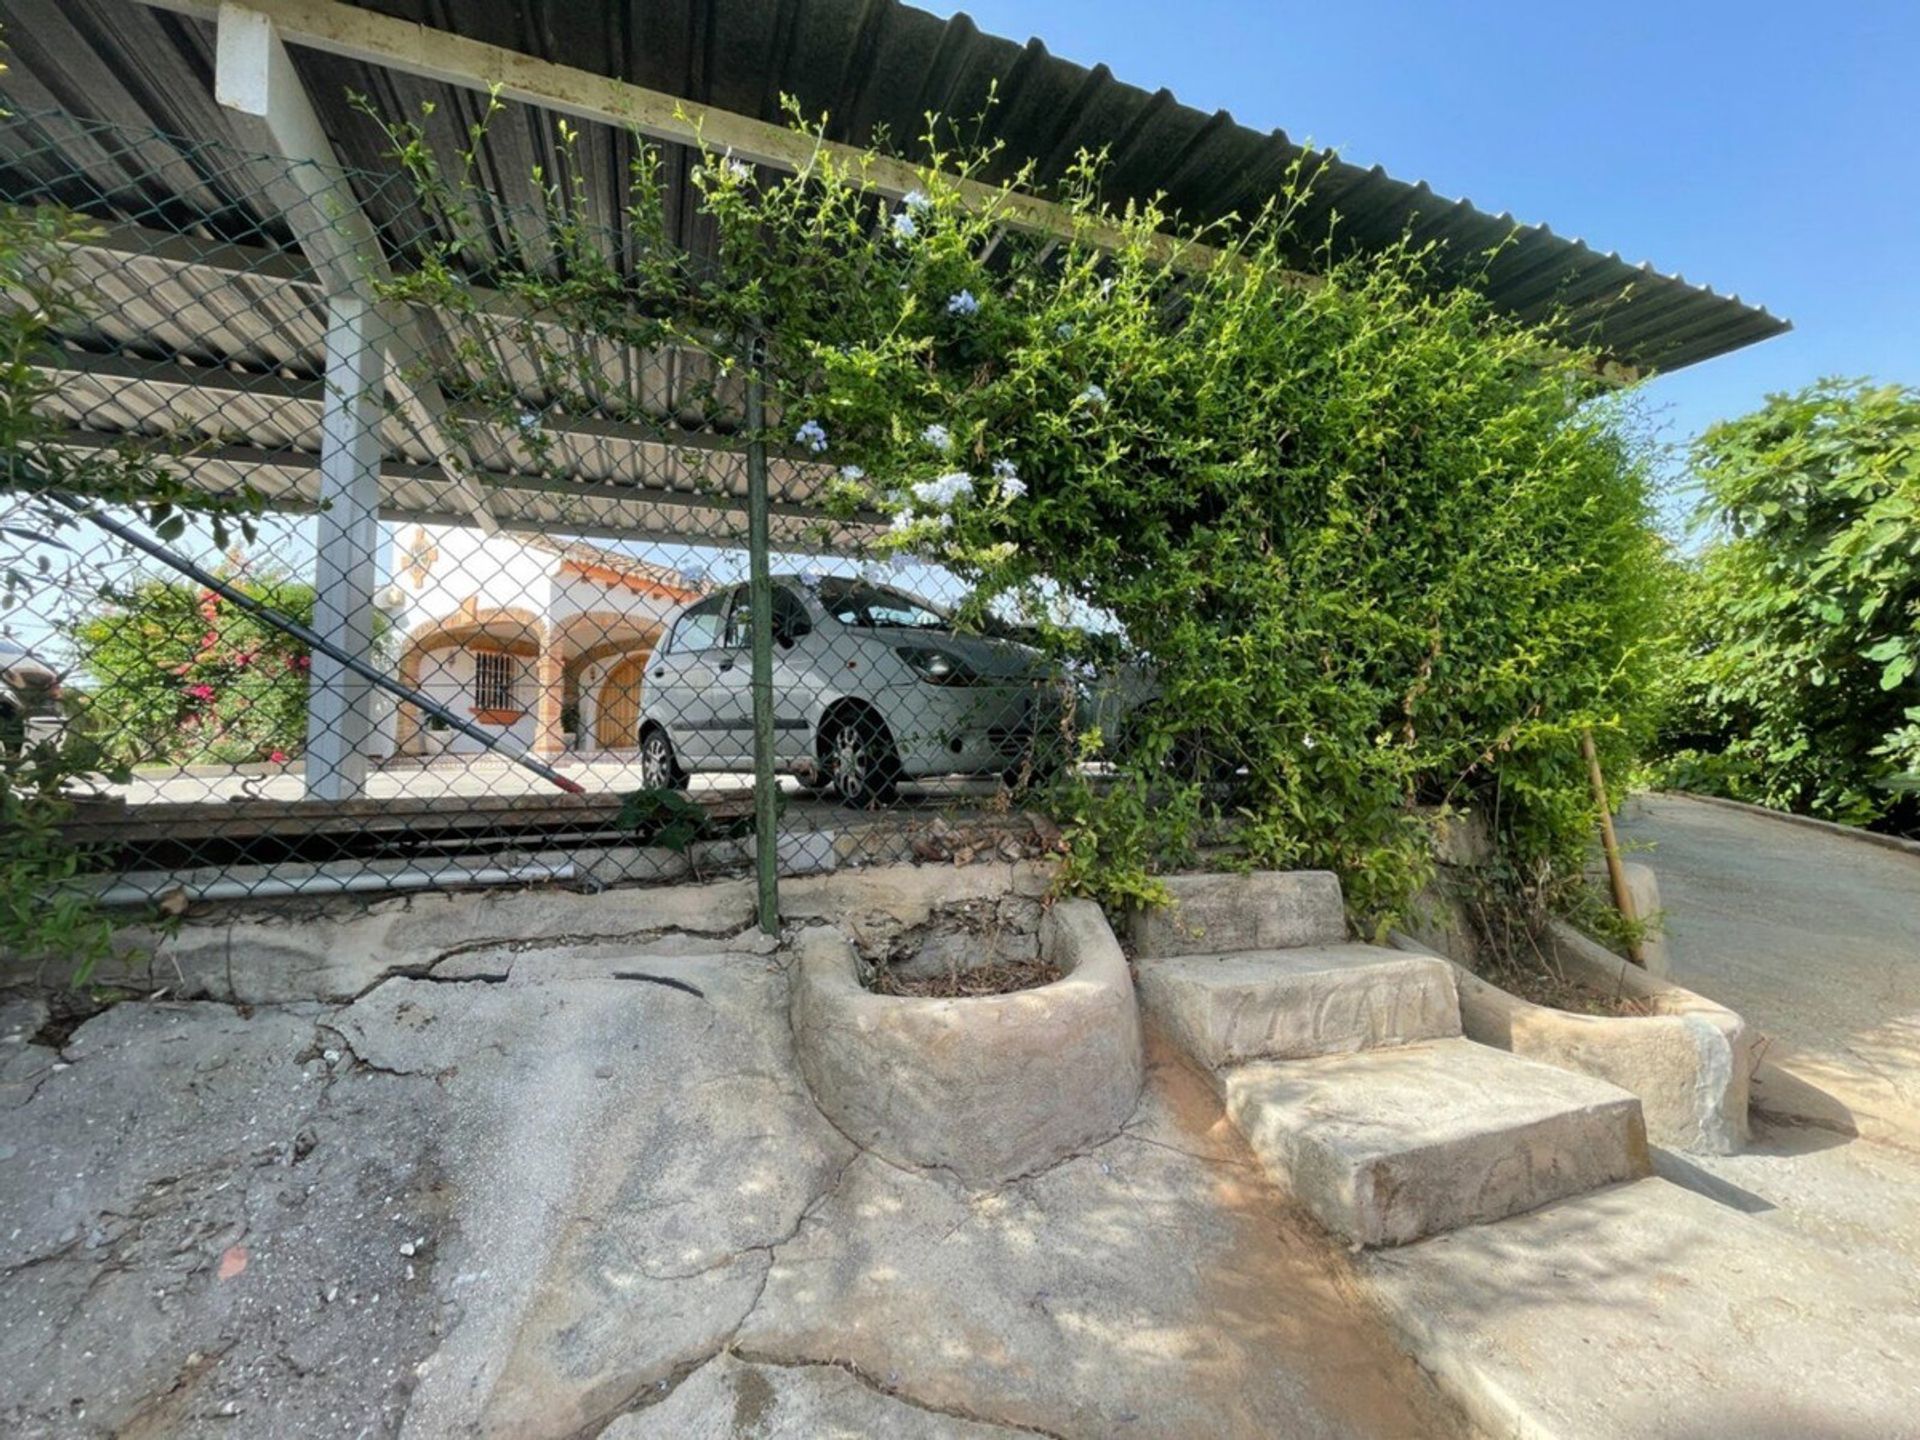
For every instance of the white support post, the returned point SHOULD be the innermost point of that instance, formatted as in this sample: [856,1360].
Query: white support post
[347,562]
[369,353]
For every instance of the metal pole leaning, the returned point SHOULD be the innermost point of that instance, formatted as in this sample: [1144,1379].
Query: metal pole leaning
[233,595]
[766,786]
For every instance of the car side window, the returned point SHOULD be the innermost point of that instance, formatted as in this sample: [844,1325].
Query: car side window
[790,618]
[699,628]
[740,619]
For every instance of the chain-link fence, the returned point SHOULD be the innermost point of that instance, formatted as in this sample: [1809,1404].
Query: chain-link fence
[478,606]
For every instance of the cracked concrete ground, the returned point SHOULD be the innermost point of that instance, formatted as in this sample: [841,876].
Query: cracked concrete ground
[583,1190]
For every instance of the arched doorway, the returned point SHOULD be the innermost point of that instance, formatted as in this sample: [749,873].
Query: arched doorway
[616,724]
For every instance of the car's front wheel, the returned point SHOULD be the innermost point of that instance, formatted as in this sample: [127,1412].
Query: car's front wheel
[861,762]
[658,769]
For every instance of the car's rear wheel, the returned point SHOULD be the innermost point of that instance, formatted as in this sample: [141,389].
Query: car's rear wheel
[861,762]
[658,768]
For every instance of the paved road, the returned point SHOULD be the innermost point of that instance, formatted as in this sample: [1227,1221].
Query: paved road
[1813,937]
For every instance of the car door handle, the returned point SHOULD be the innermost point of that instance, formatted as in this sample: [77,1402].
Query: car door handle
[725,665]
[660,673]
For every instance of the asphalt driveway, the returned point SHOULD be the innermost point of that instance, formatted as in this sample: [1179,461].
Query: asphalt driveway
[1815,938]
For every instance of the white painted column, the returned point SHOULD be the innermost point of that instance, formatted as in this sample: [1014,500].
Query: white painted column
[347,567]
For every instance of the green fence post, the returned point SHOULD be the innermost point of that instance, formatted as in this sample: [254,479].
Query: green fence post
[766,786]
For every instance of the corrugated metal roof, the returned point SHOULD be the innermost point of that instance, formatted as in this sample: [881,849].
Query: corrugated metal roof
[215,354]
[875,67]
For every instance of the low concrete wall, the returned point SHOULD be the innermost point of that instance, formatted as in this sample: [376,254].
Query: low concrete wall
[1643,890]
[1806,822]
[1690,1064]
[988,1088]
[334,949]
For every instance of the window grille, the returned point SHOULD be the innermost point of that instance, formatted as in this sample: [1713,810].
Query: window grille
[493,681]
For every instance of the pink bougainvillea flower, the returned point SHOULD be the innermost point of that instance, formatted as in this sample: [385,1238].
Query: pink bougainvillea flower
[301,662]
[202,691]
[277,756]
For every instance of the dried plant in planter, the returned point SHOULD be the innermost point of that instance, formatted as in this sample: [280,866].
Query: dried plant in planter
[993,979]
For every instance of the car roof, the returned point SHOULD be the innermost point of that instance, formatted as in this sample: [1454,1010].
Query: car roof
[721,593]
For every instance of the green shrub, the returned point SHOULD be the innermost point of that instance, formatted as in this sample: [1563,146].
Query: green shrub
[1379,547]
[1801,684]
[180,676]
[41,911]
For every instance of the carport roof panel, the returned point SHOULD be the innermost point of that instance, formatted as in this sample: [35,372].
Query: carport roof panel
[873,68]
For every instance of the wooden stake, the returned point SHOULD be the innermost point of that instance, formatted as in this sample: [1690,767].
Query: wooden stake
[1616,871]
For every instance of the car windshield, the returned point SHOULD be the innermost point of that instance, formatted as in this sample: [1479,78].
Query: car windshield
[868,607]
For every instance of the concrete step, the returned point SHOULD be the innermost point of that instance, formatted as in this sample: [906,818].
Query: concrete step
[1287,1004]
[1386,1146]
[1647,1312]
[1266,910]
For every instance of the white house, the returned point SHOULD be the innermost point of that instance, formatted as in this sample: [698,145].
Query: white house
[547,641]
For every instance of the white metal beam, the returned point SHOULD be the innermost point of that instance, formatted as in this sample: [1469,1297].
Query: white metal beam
[655,441]
[254,78]
[299,462]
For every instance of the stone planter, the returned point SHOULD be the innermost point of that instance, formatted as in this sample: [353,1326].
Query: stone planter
[987,1088]
[1690,1063]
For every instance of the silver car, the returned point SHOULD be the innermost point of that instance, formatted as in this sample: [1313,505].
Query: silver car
[30,707]
[870,685]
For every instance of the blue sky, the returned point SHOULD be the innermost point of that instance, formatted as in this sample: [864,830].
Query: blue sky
[1763,148]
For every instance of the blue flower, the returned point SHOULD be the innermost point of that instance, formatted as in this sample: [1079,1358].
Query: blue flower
[944,492]
[963,303]
[1094,395]
[1064,329]
[916,200]
[904,227]
[938,437]
[812,435]
[1011,485]
[907,521]
[852,473]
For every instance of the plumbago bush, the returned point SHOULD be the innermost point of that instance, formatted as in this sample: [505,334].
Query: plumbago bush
[1800,687]
[1375,548]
